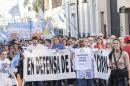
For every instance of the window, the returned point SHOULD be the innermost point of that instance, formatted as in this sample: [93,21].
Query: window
[84,1]
[29,8]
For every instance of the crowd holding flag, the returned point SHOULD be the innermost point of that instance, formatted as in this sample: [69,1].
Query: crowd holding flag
[58,60]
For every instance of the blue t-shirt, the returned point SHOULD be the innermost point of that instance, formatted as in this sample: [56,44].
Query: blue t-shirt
[59,46]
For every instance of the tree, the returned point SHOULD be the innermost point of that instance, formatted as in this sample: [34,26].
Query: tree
[36,4]
[26,2]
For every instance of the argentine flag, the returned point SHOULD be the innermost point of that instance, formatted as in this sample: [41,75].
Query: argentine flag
[15,61]
[14,11]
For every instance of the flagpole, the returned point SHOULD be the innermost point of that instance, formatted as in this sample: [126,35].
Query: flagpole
[4,20]
[19,9]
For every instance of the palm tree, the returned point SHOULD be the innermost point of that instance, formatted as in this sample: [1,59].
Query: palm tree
[36,4]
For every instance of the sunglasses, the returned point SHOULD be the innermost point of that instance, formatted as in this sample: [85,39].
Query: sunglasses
[116,43]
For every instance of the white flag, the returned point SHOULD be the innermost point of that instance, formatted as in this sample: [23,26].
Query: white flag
[14,11]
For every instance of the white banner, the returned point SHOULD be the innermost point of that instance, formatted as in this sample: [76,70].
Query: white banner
[101,62]
[46,65]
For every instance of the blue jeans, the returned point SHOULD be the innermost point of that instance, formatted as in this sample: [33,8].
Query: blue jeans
[83,82]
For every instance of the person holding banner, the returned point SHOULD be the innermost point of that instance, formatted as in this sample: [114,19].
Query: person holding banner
[119,65]
[47,43]
[32,48]
[100,46]
[82,64]
[35,45]
[57,44]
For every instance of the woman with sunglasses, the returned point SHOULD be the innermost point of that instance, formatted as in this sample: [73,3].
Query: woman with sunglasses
[119,65]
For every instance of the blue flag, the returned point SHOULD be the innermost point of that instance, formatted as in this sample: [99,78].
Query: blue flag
[15,61]
[4,35]
[14,11]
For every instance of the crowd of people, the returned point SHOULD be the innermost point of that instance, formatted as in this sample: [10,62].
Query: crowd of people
[11,56]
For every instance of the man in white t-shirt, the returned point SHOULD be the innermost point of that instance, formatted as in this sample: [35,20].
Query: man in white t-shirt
[35,45]
[83,64]
[33,48]
[4,62]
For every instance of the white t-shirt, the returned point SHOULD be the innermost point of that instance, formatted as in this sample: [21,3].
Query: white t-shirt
[84,68]
[3,63]
[38,46]
[83,59]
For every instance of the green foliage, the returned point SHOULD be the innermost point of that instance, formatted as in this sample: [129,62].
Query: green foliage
[36,4]
[26,2]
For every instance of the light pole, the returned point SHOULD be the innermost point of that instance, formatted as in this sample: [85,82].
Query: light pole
[77,4]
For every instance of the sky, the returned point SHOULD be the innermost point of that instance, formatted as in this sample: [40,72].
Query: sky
[6,5]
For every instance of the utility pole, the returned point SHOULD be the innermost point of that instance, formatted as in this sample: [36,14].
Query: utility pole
[77,4]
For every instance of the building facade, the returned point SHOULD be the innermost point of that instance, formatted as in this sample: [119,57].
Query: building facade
[54,13]
[89,16]
[85,17]
[124,12]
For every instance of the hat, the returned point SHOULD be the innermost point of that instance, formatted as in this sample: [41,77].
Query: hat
[126,39]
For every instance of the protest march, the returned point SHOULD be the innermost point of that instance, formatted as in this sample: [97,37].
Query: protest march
[63,61]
